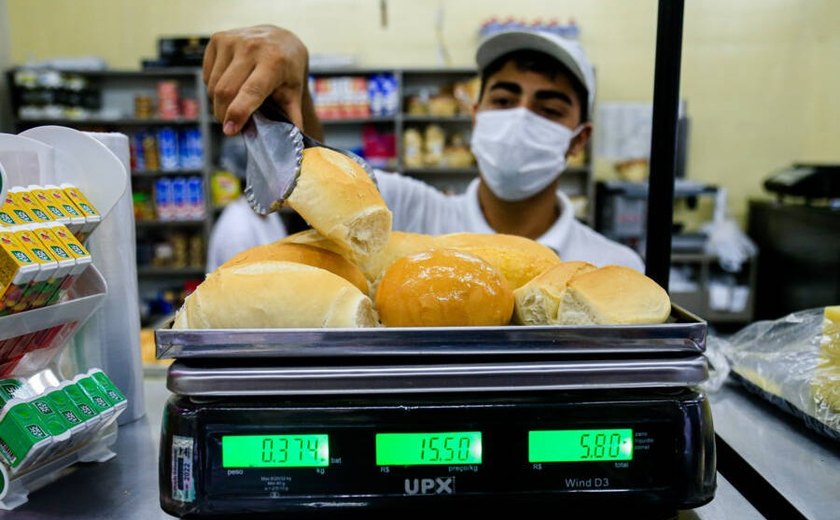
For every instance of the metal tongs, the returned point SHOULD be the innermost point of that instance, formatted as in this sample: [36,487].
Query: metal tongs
[275,153]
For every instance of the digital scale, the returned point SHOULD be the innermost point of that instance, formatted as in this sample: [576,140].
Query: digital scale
[337,422]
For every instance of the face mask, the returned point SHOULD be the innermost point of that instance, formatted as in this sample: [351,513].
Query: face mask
[519,153]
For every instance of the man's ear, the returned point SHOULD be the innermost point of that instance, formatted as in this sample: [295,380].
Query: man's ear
[474,111]
[579,142]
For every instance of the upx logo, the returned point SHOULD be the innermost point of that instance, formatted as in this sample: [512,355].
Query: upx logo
[430,486]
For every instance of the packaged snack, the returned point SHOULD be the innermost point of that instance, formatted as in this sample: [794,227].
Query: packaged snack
[19,214]
[25,199]
[55,424]
[92,216]
[111,391]
[23,438]
[103,406]
[80,254]
[13,388]
[67,409]
[57,196]
[45,281]
[66,264]
[90,416]
[17,269]
[42,197]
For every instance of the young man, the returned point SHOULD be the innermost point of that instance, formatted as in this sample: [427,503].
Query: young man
[533,112]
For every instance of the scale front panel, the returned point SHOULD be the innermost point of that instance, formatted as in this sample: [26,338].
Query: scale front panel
[260,455]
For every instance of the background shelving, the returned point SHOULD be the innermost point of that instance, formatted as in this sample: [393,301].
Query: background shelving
[370,117]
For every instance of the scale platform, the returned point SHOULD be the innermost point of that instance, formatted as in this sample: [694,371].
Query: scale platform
[343,422]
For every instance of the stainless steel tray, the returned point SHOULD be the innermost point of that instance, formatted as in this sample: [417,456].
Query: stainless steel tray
[684,333]
[200,378]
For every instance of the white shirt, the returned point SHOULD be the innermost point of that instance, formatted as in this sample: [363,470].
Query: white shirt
[420,208]
[239,228]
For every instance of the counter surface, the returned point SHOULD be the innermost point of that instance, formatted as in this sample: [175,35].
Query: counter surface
[126,487]
[801,465]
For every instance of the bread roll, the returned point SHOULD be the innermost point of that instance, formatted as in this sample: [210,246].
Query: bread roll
[302,254]
[538,301]
[518,258]
[399,244]
[441,288]
[613,295]
[338,198]
[312,237]
[271,294]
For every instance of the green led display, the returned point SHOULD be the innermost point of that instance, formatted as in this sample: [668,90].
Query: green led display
[275,451]
[417,449]
[580,445]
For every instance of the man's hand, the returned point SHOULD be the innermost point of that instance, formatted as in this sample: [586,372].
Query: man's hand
[243,67]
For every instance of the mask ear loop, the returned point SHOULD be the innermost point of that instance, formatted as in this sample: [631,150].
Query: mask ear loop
[576,132]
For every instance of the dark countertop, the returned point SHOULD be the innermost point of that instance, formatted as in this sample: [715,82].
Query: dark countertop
[126,487]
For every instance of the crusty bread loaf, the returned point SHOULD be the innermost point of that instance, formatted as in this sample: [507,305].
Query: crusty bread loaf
[443,287]
[518,258]
[272,294]
[302,254]
[613,295]
[312,237]
[338,198]
[538,301]
[400,244]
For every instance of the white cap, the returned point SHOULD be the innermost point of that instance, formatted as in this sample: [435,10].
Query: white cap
[566,51]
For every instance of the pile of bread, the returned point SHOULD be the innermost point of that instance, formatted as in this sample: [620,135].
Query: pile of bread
[352,270]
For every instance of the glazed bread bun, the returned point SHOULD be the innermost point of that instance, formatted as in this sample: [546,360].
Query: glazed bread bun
[518,258]
[538,301]
[270,294]
[302,254]
[442,288]
[613,295]
[337,197]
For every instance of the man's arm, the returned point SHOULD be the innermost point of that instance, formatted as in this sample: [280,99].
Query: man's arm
[243,67]
[311,124]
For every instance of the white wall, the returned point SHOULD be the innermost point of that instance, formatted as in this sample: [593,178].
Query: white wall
[5,63]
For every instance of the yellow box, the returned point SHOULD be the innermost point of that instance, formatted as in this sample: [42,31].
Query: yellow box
[17,269]
[60,199]
[66,265]
[42,196]
[26,200]
[74,247]
[45,280]
[92,216]
[19,214]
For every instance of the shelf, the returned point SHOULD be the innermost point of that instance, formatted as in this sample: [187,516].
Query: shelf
[440,170]
[358,120]
[98,121]
[168,223]
[165,173]
[171,271]
[409,118]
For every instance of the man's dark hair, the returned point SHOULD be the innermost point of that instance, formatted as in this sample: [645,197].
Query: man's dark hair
[541,63]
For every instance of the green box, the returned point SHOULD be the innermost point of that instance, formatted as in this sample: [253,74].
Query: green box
[102,404]
[12,388]
[23,437]
[86,407]
[111,390]
[65,407]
